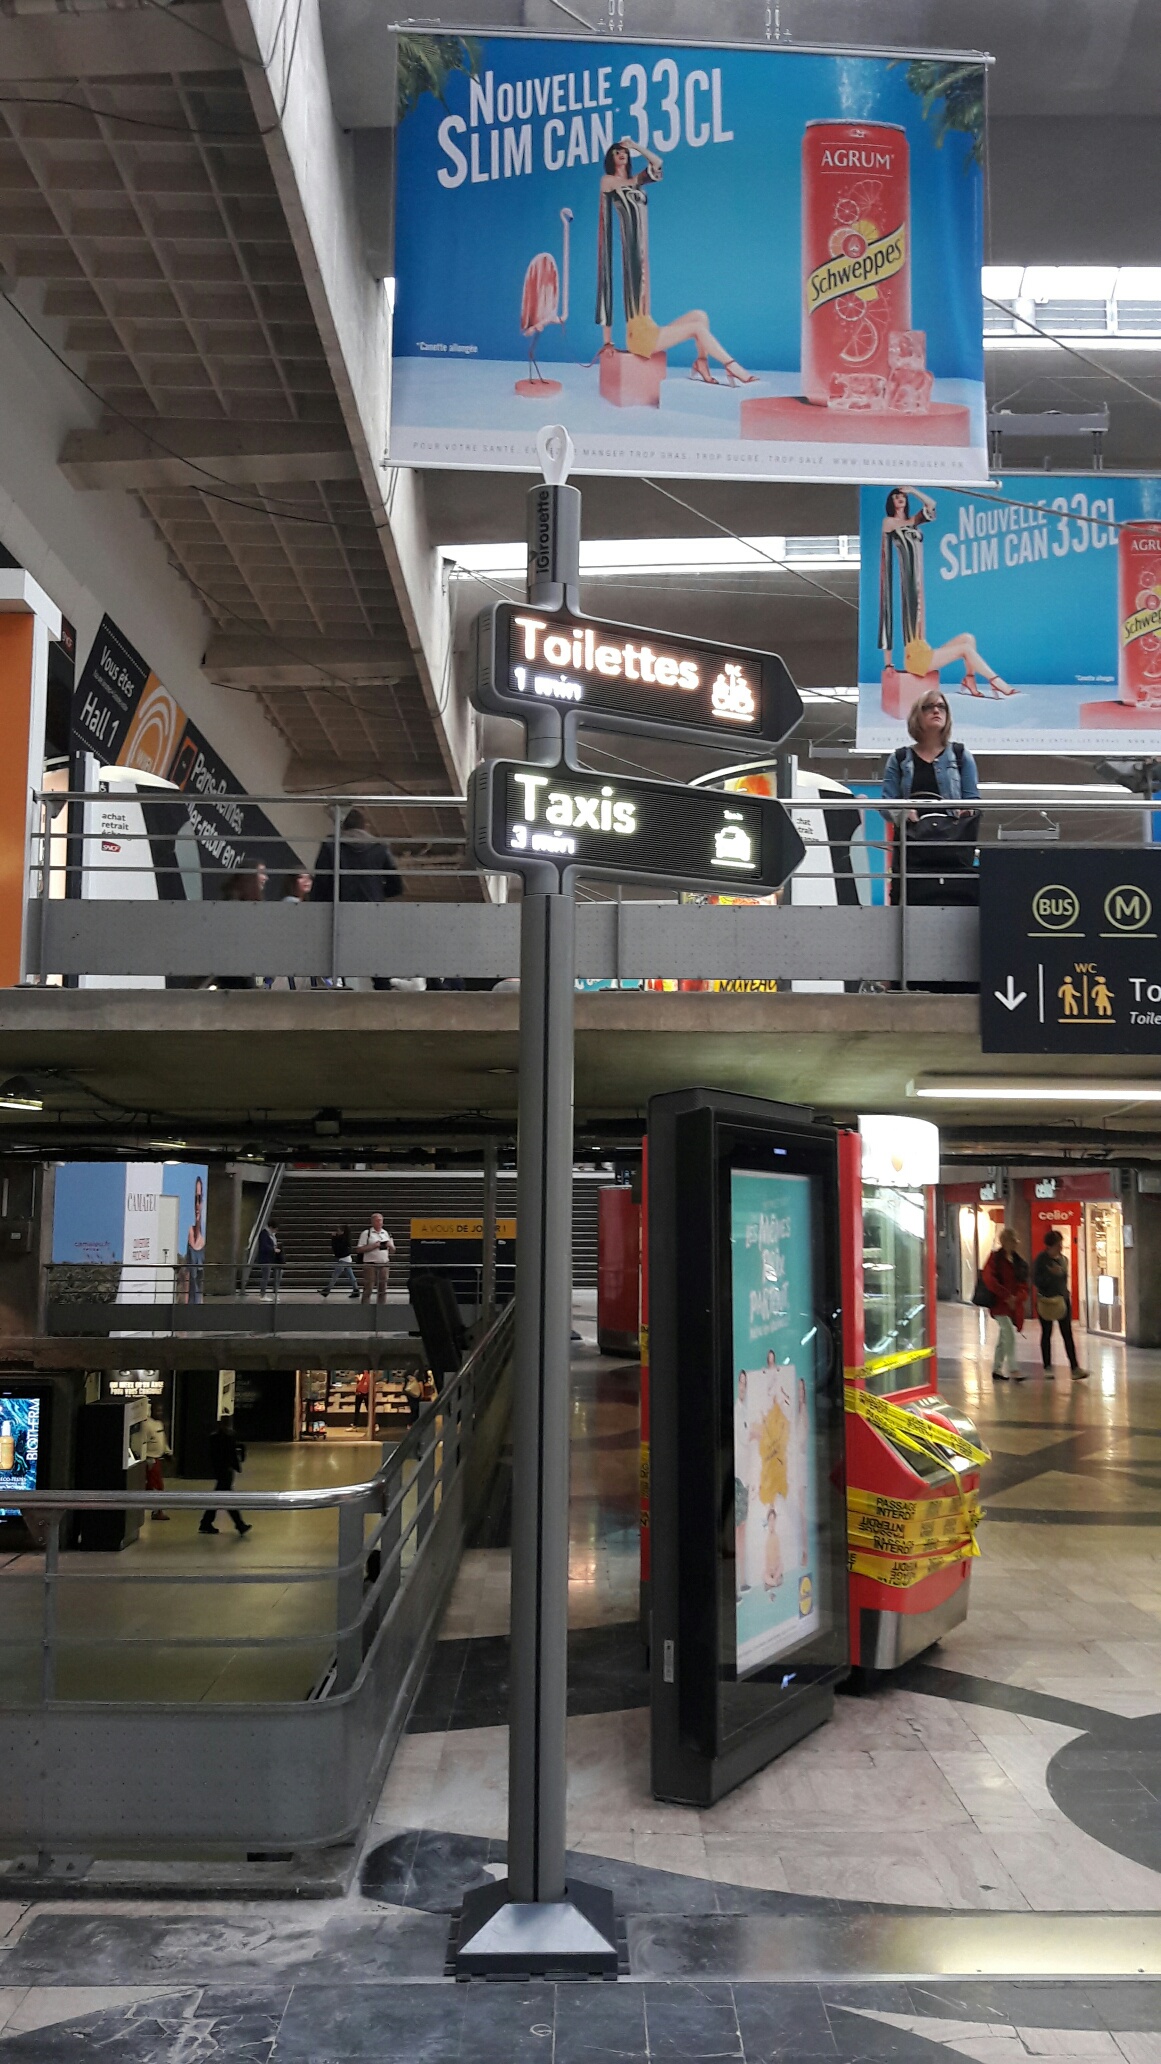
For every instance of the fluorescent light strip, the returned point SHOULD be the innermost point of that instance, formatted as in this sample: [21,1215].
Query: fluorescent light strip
[1039,1092]
[610,557]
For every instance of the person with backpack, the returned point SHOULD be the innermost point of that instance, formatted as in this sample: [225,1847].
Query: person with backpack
[1005,1276]
[934,773]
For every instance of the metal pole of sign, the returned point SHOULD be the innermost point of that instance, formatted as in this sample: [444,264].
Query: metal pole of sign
[538,1920]
[488,1231]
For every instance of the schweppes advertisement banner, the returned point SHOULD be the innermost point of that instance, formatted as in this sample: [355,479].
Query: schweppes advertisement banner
[1036,602]
[724,261]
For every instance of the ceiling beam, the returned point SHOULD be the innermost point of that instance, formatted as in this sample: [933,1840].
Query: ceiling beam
[116,43]
[173,453]
[242,661]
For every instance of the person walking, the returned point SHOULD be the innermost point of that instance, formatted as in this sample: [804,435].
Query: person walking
[375,1250]
[343,1267]
[1006,1276]
[1054,1300]
[362,1396]
[367,870]
[270,1260]
[227,1456]
[154,1448]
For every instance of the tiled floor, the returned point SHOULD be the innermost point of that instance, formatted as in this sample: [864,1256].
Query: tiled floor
[996,1809]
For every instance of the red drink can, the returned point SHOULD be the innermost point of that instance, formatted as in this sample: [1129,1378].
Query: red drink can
[1139,585]
[856,252]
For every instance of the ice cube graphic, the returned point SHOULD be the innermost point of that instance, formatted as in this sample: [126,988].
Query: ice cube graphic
[857,391]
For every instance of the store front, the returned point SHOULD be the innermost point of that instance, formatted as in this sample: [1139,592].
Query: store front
[974,1221]
[1085,1211]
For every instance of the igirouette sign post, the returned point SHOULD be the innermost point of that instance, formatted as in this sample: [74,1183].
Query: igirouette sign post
[548,819]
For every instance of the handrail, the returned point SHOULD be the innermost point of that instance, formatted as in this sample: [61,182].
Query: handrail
[328,1497]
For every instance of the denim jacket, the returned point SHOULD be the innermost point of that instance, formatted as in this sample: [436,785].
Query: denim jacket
[955,774]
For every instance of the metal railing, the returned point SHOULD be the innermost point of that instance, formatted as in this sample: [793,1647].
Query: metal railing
[279,1689]
[93,1297]
[876,899]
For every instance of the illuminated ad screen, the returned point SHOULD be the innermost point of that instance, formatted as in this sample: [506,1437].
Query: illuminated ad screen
[637,827]
[19,1448]
[773,1359]
[614,671]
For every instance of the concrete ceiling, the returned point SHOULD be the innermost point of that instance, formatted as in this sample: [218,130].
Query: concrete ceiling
[116,1068]
[143,236]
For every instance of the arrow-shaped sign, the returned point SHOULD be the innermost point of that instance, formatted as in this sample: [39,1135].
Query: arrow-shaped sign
[1010,999]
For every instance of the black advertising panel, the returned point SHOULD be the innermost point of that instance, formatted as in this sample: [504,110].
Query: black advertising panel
[632,680]
[526,819]
[1070,951]
[749,1588]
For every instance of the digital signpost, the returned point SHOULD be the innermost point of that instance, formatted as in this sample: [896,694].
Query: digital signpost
[549,820]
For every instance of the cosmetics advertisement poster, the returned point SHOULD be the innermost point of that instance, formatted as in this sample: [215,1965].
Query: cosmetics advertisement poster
[737,263]
[773,1360]
[19,1443]
[1034,603]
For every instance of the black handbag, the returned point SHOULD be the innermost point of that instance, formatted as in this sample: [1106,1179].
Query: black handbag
[981,1295]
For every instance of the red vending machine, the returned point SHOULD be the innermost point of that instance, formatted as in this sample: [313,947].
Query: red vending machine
[913,1460]
[618,1271]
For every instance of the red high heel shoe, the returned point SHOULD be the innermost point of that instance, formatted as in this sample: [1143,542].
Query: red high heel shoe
[739,377]
[999,687]
[970,686]
[699,370]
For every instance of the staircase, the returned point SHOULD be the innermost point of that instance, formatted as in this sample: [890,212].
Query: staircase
[312,1203]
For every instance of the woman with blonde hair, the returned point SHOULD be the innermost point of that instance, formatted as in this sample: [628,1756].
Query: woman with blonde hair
[932,767]
[1005,1275]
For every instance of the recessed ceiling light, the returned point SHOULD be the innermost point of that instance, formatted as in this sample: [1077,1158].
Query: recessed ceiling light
[17,1094]
[1008,1090]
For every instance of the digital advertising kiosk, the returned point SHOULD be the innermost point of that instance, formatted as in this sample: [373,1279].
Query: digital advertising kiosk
[748,1513]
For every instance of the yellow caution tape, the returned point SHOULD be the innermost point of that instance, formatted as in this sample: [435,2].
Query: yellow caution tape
[902,1572]
[890,1537]
[879,1364]
[882,1507]
[909,1430]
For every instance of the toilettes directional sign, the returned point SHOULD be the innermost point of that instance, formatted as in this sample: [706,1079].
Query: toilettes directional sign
[529,818]
[624,679]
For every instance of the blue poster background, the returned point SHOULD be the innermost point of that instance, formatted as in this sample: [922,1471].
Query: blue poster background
[773,1358]
[1028,566]
[724,236]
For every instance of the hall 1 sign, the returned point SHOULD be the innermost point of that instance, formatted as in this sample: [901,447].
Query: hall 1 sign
[631,680]
[526,819]
[1070,951]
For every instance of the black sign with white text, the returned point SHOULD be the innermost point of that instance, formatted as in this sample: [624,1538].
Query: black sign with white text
[631,680]
[1070,951]
[527,818]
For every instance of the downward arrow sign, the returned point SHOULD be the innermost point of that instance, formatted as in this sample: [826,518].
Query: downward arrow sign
[1010,1000]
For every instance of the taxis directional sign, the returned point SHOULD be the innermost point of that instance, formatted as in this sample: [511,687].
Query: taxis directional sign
[531,820]
[626,679]
[1070,951]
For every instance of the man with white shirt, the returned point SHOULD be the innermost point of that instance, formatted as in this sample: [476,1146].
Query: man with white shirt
[375,1250]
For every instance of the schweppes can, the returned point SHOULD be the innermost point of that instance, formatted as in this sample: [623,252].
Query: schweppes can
[856,250]
[1139,588]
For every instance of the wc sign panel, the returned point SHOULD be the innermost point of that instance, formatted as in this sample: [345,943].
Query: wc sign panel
[1070,951]
[527,818]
